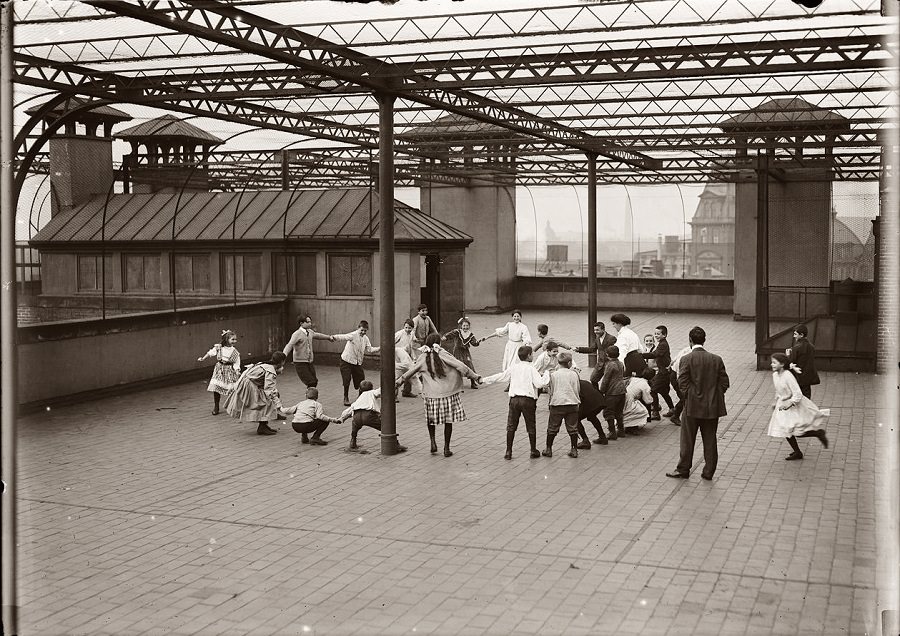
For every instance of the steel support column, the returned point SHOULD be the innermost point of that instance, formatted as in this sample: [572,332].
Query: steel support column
[389,443]
[762,250]
[592,248]
[8,374]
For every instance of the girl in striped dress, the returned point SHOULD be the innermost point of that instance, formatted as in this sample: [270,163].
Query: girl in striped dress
[442,382]
[227,369]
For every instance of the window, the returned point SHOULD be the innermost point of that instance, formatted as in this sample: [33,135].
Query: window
[294,274]
[141,272]
[349,275]
[249,272]
[91,272]
[192,272]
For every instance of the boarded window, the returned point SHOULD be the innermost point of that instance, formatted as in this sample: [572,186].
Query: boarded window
[142,272]
[91,272]
[295,274]
[192,272]
[249,272]
[349,275]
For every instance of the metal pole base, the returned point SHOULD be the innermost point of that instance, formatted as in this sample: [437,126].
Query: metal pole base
[390,444]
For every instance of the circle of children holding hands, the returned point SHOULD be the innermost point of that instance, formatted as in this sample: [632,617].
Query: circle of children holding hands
[629,376]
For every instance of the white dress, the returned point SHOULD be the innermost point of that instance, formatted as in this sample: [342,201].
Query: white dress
[637,390]
[518,335]
[803,416]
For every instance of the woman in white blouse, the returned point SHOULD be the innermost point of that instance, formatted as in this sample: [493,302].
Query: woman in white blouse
[629,345]
[517,335]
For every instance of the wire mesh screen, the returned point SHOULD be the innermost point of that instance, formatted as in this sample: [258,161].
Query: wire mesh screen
[821,256]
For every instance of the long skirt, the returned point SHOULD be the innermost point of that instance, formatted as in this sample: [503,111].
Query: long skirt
[511,353]
[445,410]
[800,418]
[635,413]
[248,402]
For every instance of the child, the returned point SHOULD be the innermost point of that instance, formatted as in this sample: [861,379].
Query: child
[638,399]
[255,395]
[301,346]
[524,381]
[661,357]
[227,369]
[365,411]
[675,418]
[422,327]
[404,340]
[564,401]
[591,405]
[517,335]
[309,417]
[358,345]
[539,344]
[612,387]
[442,380]
[459,340]
[795,415]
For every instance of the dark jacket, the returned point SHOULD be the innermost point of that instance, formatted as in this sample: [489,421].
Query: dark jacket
[613,382]
[703,381]
[661,354]
[599,348]
[803,355]
[592,401]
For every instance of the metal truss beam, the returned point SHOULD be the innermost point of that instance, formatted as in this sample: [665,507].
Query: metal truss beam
[249,33]
[568,21]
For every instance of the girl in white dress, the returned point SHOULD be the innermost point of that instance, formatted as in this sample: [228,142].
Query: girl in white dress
[517,335]
[794,415]
[227,369]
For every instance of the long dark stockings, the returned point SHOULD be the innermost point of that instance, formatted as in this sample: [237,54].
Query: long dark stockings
[793,442]
[216,398]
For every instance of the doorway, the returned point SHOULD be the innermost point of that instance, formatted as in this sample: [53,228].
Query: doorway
[430,292]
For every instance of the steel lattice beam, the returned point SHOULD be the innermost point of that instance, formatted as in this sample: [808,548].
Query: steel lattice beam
[249,33]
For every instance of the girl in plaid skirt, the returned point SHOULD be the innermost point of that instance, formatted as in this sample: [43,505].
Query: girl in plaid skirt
[228,367]
[442,382]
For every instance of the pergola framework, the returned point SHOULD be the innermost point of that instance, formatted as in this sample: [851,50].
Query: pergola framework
[617,91]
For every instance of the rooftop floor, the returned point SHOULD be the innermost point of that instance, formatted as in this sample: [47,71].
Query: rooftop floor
[144,514]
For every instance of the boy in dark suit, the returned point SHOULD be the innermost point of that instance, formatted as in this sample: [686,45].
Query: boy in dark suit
[659,385]
[703,381]
[801,358]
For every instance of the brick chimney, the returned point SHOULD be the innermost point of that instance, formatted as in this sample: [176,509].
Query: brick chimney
[81,165]
[167,155]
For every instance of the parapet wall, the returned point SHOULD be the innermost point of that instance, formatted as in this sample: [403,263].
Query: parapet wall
[625,294]
[78,359]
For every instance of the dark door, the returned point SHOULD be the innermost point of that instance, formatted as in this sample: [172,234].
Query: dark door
[431,293]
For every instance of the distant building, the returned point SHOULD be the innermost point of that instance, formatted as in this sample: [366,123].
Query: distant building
[853,248]
[712,233]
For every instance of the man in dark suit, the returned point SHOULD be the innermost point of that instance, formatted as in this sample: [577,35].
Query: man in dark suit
[703,380]
[802,361]
[598,346]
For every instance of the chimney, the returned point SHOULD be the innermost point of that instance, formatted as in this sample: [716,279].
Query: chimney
[168,155]
[81,164]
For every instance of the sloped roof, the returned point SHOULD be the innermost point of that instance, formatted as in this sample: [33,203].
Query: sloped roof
[783,112]
[167,127]
[103,112]
[266,215]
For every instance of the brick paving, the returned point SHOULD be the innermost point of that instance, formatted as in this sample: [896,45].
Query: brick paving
[144,514]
